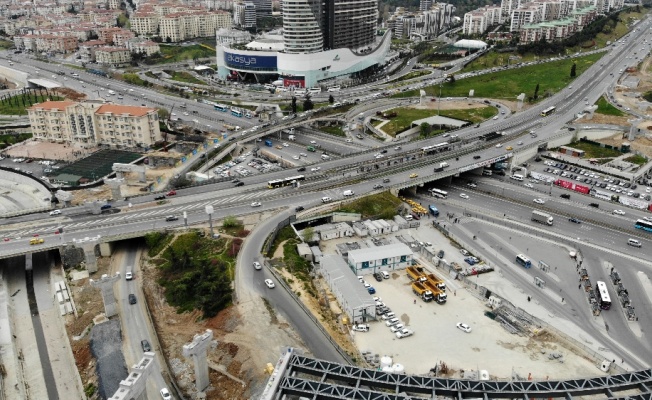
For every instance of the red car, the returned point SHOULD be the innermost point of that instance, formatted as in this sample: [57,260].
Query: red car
[35,235]
[6,239]
[171,193]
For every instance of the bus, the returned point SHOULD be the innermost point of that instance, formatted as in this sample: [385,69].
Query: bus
[643,224]
[548,111]
[235,112]
[602,295]
[221,107]
[435,148]
[523,261]
[433,210]
[438,193]
[276,183]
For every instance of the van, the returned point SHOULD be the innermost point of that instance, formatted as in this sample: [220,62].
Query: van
[385,274]
[129,274]
[389,315]
[517,177]
[633,242]
[325,199]
[408,217]
[325,157]
[347,193]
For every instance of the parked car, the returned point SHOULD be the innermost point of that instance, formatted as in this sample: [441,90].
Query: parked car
[464,327]
[378,277]
[360,328]
[404,333]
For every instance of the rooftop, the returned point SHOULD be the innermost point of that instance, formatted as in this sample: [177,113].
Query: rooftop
[131,110]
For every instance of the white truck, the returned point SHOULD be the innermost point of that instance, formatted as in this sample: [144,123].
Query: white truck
[541,217]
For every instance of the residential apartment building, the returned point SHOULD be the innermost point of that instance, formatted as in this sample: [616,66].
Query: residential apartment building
[113,56]
[558,29]
[423,24]
[187,25]
[144,23]
[90,124]
[115,36]
[478,21]
[528,14]
[46,43]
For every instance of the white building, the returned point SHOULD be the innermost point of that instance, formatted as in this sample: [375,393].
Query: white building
[113,56]
[380,258]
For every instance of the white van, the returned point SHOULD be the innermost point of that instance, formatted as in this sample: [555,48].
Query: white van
[325,199]
[633,242]
[325,157]
[129,275]
[385,274]
[348,193]
[517,177]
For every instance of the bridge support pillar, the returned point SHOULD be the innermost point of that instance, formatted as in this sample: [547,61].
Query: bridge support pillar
[197,351]
[106,249]
[105,284]
[448,180]
[412,190]
[91,259]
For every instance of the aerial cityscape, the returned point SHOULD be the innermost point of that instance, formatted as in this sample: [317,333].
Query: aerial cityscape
[301,199]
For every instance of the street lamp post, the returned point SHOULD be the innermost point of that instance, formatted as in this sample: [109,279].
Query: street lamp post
[439,103]
[209,210]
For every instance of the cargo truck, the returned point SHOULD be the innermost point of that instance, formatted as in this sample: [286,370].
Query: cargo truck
[415,275]
[541,217]
[437,282]
[421,291]
[438,295]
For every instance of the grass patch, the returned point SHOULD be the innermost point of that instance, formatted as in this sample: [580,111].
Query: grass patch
[294,263]
[283,235]
[6,44]
[18,105]
[156,241]
[8,140]
[406,115]
[637,159]
[185,77]
[412,75]
[172,53]
[551,77]
[604,107]
[134,79]
[197,273]
[333,130]
[378,206]
[595,151]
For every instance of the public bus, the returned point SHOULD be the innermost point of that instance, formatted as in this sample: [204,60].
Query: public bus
[440,194]
[523,261]
[435,148]
[236,112]
[643,224]
[221,107]
[548,111]
[276,183]
[602,295]
[433,210]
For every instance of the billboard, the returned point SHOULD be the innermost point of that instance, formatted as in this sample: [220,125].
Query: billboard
[572,186]
[247,62]
[635,203]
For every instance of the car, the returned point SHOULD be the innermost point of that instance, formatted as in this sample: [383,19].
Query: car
[463,327]
[286,145]
[132,298]
[55,212]
[413,175]
[477,157]
[371,290]
[170,218]
[404,333]
[301,169]
[105,207]
[313,142]
[392,322]
[239,183]
[619,212]
[378,277]
[499,145]
[257,265]
[299,208]
[256,204]
[269,283]
[539,201]
[386,180]
[464,196]
[315,169]
[159,198]
[528,185]
[165,394]
[325,199]
[509,148]
[145,345]
[574,220]
[471,185]
[360,328]
[396,328]
[378,186]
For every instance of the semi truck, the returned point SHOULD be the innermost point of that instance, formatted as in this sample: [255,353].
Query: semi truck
[438,295]
[415,275]
[541,217]
[421,291]
[437,282]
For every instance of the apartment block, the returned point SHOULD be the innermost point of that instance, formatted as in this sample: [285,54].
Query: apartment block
[91,124]
[113,56]
[144,46]
[478,21]
[187,25]
[144,24]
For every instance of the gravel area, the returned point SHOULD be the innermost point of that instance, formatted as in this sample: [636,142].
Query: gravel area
[106,346]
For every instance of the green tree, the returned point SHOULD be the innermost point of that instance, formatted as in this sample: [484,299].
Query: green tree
[424,129]
[293,105]
[230,221]
[573,72]
[536,92]
[308,234]
[308,104]
[331,99]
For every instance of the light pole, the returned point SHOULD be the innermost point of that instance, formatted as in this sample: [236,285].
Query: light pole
[209,210]
[439,102]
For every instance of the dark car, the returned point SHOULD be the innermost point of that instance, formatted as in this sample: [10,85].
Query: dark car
[574,220]
[565,196]
[105,207]
[386,180]
[301,169]
[378,186]
[378,277]
[596,205]
[299,208]
[384,151]
[477,157]
[145,345]
[240,183]
[171,218]
[132,299]
[159,198]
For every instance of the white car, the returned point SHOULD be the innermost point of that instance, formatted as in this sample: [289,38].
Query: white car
[165,394]
[404,333]
[392,321]
[256,204]
[349,140]
[313,142]
[472,185]
[396,327]
[257,265]
[286,145]
[528,185]
[463,327]
[325,199]
[269,283]
[55,212]
[315,169]
[464,196]
[499,145]
[360,328]
[619,212]
[295,157]
[539,201]
[303,154]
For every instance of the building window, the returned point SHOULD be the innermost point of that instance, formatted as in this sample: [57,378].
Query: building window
[384,261]
[403,258]
[365,264]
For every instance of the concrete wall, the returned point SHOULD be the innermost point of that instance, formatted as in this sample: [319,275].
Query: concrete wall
[598,133]
[14,75]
